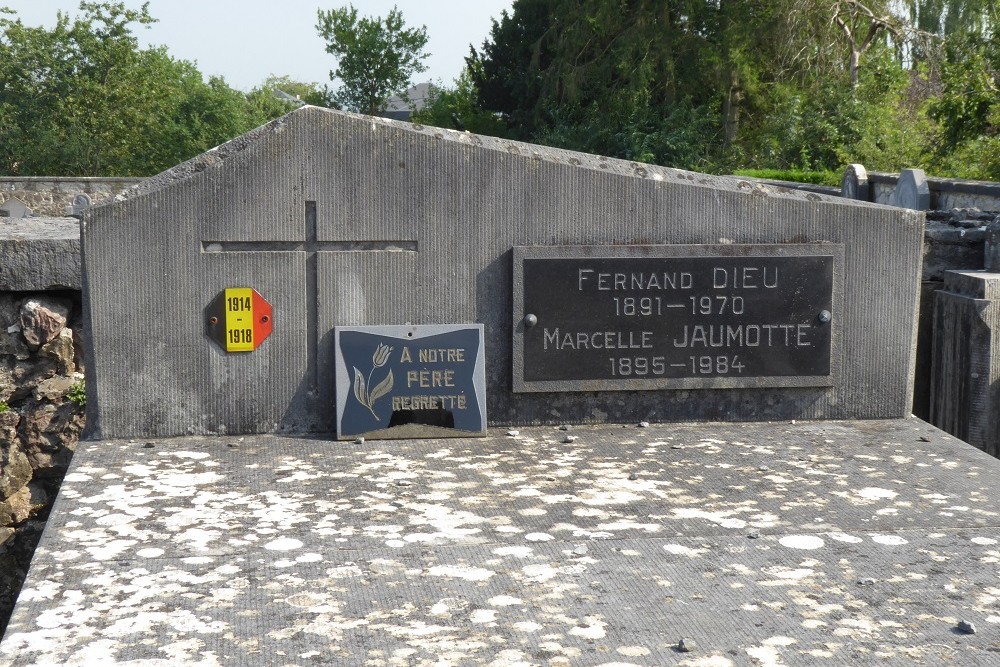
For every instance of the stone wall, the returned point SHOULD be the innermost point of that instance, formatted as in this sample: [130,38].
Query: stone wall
[41,417]
[945,194]
[49,196]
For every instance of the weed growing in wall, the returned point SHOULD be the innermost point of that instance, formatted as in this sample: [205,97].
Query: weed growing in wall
[78,393]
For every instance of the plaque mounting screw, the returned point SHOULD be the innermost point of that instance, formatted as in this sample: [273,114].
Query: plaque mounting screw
[530,320]
[825,316]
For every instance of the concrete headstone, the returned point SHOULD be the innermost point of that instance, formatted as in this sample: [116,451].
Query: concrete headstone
[343,220]
[81,203]
[912,190]
[854,184]
[14,208]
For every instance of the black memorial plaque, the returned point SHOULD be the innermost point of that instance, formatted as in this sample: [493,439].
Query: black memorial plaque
[654,317]
[410,381]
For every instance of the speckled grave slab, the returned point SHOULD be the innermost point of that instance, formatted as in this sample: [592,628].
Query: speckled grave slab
[816,543]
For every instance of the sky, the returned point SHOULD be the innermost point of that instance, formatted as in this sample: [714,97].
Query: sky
[244,41]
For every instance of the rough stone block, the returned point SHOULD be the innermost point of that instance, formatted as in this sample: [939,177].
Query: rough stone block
[13,345]
[42,319]
[40,254]
[16,509]
[951,248]
[50,433]
[62,350]
[15,470]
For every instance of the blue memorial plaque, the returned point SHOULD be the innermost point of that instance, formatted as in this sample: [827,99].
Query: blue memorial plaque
[411,381]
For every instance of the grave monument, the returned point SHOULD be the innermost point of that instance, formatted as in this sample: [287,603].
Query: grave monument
[697,391]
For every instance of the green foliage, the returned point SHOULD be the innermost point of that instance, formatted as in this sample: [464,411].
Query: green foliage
[310,93]
[681,138]
[614,78]
[715,86]
[4,407]
[951,17]
[793,175]
[824,123]
[968,109]
[83,99]
[456,108]
[376,57]
[77,394]
[969,78]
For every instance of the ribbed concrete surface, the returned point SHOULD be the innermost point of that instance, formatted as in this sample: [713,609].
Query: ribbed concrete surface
[423,222]
[816,543]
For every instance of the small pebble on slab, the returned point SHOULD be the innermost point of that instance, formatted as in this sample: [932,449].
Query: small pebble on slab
[966,627]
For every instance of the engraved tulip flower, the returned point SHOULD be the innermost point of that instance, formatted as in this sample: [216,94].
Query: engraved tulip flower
[381,355]
[379,359]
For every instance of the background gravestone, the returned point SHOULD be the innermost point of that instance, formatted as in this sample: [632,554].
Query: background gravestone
[343,220]
[81,203]
[912,190]
[854,184]
[14,208]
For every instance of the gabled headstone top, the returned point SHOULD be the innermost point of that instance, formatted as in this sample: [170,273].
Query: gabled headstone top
[854,184]
[14,208]
[912,191]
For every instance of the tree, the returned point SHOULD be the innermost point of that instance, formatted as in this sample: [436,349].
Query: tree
[308,93]
[83,99]
[860,26]
[951,17]
[376,57]
[457,108]
[702,85]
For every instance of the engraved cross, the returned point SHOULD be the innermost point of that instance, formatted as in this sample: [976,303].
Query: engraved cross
[311,246]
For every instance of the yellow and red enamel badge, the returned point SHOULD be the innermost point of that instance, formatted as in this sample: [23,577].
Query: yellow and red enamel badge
[239,319]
